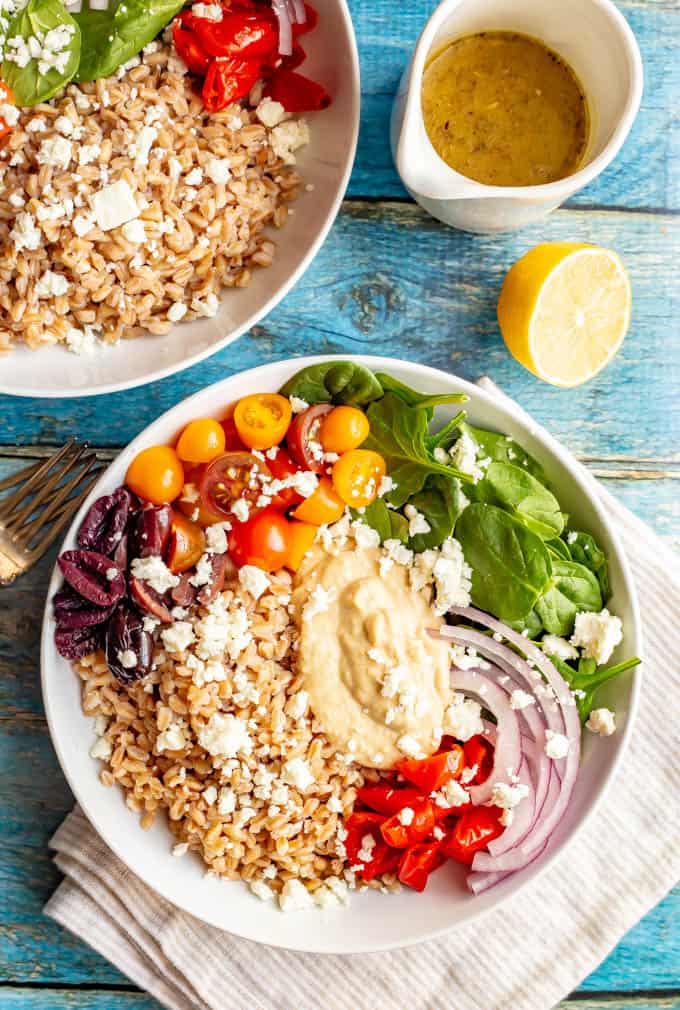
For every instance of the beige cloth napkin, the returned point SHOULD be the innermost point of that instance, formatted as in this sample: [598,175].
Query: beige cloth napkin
[526,956]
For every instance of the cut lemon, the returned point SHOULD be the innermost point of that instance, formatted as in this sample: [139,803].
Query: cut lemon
[564,310]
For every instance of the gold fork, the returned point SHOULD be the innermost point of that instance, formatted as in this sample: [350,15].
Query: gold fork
[46,499]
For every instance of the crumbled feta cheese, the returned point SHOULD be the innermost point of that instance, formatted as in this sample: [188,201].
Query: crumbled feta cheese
[211,12]
[288,137]
[556,745]
[82,224]
[365,853]
[204,572]
[114,205]
[521,699]
[127,658]
[417,521]
[134,231]
[210,795]
[218,170]
[452,577]
[397,552]
[101,749]
[601,721]
[298,404]
[154,571]
[334,805]
[222,631]
[51,285]
[216,537]
[441,456]
[56,152]
[241,509]
[507,797]
[464,456]
[172,738]
[24,234]
[451,794]
[295,897]
[177,311]
[554,645]
[254,580]
[298,705]
[405,816]
[296,772]
[178,637]
[225,735]
[258,887]
[597,634]
[409,745]
[319,601]
[81,341]
[270,113]
[463,717]
[9,114]
[180,849]
[365,536]
[226,803]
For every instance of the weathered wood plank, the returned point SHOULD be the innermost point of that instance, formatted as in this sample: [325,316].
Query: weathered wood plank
[642,174]
[392,281]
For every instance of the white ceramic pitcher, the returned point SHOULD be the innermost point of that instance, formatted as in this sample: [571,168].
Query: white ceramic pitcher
[595,40]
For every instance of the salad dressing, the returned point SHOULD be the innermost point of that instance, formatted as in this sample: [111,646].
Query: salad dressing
[501,108]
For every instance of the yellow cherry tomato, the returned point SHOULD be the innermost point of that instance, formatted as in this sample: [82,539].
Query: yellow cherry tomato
[324,506]
[302,536]
[156,474]
[357,475]
[343,429]
[262,419]
[201,441]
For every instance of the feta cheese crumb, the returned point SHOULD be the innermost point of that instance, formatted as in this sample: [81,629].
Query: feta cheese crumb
[24,234]
[270,113]
[51,285]
[127,658]
[241,510]
[507,797]
[601,721]
[253,580]
[298,404]
[295,897]
[417,521]
[554,645]
[177,311]
[463,717]
[218,170]
[258,887]
[405,816]
[225,736]
[154,571]
[521,699]
[597,634]
[178,637]
[296,772]
[114,205]
[211,12]
[172,738]
[319,601]
[409,745]
[226,803]
[556,745]
[101,749]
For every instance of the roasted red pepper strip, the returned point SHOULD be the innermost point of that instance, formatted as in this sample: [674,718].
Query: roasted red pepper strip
[309,24]
[228,80]
[430,774]
[418,862]
[357,825]
[383,860]
[297,93]
[472,832]
[239,34]
[411,825]
[387,799]
[189,50]
[478,751]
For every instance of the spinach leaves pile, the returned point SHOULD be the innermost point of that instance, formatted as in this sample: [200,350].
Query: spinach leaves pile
[529,568]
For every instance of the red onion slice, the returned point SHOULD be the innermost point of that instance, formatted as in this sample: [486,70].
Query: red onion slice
[280,8]
[480,882]
[298,14]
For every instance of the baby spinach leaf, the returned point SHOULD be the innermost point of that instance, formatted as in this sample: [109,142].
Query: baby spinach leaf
[398,433]
[388,524]
[510,564]
[532,624]
[587,679]
[521,494]
[113,36]
[503,449]
[28,84]
[441,502]
[558,549]
[574,589]
[334,382]
[584,549]
[446,435]
[415,399]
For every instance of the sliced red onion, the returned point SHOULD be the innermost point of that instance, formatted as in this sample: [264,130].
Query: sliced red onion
[524,814]
[508,751]
[298,14]
[280,8]
[479,882]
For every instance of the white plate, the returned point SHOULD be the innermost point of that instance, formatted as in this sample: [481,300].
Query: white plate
[325,164]
[372,921]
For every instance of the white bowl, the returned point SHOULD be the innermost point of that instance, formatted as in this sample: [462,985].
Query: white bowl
[325,164]
[372,921]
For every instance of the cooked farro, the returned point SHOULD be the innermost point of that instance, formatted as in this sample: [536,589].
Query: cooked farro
[149,130]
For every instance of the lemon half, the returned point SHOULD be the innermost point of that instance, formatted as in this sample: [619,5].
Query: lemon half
[564,310]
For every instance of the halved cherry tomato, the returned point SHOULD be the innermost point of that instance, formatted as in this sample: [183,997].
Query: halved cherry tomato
[231,476]
[190,503]
[228,79]
[472,832]
[282,466]
[343,429]
[357,475]
[297,93]
[418,862]
[302,536]
[232,439]
[430,774]
[201,441]
[156,474]
[324,506]
[263,541]
[237,34]
[262,420]
[388,799]
[400,834]
[303,437]
[188,48]
[6,98]
[186,545]
[478,751]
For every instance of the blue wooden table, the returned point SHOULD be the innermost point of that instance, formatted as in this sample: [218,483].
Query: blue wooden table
[390,281]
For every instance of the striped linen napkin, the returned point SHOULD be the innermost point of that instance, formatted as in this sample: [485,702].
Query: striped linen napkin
[536,949]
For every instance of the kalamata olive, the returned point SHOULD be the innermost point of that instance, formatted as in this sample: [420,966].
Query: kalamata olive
[93,576]
[72,611]
[120,555]
[149,601]
[150,531]
[129,649]
[105,522]
[184,594]
[223,570]
[73,643]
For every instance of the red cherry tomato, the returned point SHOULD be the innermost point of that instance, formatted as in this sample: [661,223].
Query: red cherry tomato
[478,751]
[400,830]
[282,466]
[231,476]
[386,799]
[430,774]
[472,832]
[263,541]
[418,862]
[303,437]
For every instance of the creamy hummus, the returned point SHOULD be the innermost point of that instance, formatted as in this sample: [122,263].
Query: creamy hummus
[378,683]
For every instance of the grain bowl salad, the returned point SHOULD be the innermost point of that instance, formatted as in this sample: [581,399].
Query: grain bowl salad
[143,151]
[337,643]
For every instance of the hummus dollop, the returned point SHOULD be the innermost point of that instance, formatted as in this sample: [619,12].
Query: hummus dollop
[378,682]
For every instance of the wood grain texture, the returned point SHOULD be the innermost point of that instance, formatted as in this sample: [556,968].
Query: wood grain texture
[392,281]
[642,175]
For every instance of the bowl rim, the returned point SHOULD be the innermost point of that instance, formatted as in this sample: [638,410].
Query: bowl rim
[505,889]
[354,85]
